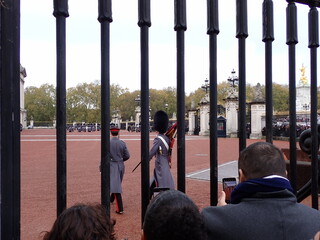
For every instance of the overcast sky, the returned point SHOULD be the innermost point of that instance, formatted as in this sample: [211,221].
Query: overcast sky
[38,47]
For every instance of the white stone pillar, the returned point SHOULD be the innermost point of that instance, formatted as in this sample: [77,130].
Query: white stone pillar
[23,111]
[204,119]
[192,122]
[138,114]
[303,100]
[232,117]
[258,111]
[23,117]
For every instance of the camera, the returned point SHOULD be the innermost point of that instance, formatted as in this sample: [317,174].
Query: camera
[228,185]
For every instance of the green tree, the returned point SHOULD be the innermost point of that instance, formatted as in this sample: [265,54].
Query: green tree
[127,104]
[40,102]
[250,92]
[194,98]
[222,93]
[84,101]
[280,95]
[159,99]
[115,92]
[223,90]
[170,98]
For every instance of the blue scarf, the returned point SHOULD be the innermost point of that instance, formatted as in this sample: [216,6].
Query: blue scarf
[252,186]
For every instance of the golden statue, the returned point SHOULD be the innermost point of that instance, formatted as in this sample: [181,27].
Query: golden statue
[303,78]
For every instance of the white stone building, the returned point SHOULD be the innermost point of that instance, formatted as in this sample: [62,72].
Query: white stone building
[303,99]
[23,111]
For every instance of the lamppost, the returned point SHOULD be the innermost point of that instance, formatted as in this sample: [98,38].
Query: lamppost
[166,106]
[138,111]
[137,100]
[233,79]
[150,114]
[206,85]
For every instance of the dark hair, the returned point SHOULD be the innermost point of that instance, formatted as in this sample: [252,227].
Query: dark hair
[262,159]
[82,222]
[172,215]
[113,133]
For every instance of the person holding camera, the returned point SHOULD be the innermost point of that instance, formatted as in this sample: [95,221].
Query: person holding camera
[263,205]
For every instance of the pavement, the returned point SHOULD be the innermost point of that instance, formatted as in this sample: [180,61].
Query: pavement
[225,170]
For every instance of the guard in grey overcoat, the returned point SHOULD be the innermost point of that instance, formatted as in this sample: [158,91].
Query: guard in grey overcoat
[160,149]
[118,153]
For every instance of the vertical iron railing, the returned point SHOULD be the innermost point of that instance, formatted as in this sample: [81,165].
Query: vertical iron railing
[242,34]
[268,38]
[213,31]
[105,18]
[61,13]
[144,23]
[10,119]
[313,45]
[180,27]
[10,92]
[16,161]
[292,40]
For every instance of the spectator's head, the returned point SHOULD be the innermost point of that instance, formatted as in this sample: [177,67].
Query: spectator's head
[114,131]
[160,121]
[172,215]
[82,222]
[259,160]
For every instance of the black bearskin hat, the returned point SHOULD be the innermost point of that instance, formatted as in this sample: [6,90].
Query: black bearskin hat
[160,121]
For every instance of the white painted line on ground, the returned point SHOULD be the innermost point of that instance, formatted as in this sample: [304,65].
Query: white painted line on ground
[76,140]
[73,137]
[198,172]
[228,163]
[204,174]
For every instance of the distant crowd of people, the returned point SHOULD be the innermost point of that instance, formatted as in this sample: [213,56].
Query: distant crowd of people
[263,207]
[281,126]
[89,127]
[283,129]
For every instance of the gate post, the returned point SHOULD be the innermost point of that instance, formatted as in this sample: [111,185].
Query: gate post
[213,31]
[61,13]
[242,34]
[10,119]
[180,27]
[144,23]
[292,40]
[313,45]
[268,38]
[105,17]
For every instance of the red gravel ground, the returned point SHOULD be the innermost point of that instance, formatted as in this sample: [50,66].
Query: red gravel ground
[38,173]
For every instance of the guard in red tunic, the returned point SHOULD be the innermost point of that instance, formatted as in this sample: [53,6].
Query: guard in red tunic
[118,154]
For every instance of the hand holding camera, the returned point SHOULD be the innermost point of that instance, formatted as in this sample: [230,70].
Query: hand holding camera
[228,185]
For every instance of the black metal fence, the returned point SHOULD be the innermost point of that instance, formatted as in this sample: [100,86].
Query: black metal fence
[9,103]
